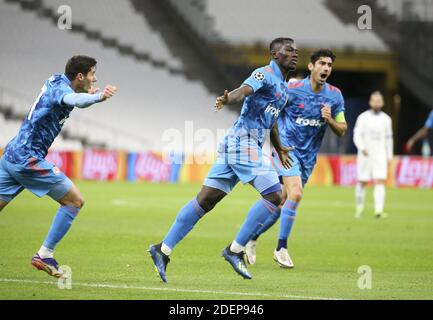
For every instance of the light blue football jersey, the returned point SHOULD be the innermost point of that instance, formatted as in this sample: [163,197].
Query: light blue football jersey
[43,123]
[261,109]
[301,124]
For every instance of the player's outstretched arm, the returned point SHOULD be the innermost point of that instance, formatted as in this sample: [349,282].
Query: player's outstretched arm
[85,100]
[108,92]
[233,97]
[283,152]
[419,135]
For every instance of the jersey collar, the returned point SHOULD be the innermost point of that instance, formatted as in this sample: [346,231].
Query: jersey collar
[65,78]
[307,80]
[276,70]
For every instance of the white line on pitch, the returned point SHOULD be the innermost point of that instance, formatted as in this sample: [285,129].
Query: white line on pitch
[113,286]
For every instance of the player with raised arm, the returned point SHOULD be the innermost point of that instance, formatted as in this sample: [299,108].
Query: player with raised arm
[421,133]
[314,106]
[372,136]
[239,158]
[23,164]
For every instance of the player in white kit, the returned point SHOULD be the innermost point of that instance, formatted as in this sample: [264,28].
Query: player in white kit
[372,136]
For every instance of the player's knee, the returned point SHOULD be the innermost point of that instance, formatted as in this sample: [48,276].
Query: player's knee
[208,198]
[296,195]
[207,203]
[283,199]
[80,202]
[274,198]
[77,202]
[3,204]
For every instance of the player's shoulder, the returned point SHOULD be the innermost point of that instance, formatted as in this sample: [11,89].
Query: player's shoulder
[386,116]
[334,91]
[263,73]
[296,83]
[365,114]
[55,79]
[59,82]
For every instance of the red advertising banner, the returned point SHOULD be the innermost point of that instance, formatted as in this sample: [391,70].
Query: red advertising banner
[92,164]
[149,166]
[414,172]
[343,170]
[62,160]
[100,165]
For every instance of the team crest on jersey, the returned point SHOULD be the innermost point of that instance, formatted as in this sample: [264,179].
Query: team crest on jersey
[56,171]
[259,76]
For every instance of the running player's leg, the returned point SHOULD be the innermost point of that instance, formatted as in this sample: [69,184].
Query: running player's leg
[379,175]
[270,189]
[268,185]
[189,215]
[360,198]
[9,187]
[43,178]
[71,202]
[251,247]
[364,174]
[220,181]
[272,219]
[293,186]
[379,198]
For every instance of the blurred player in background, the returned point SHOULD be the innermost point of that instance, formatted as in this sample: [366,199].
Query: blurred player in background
[23,164]
[372,136]
[314,106]
[421,133]
[239,158]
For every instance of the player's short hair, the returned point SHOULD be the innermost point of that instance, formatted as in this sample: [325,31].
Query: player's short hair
[278,42]
[322,53]
[79,64]
[376,93]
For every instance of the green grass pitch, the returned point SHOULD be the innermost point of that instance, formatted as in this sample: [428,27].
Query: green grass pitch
[106,247]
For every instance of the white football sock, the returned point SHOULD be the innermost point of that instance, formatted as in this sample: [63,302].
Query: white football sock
[379,198]
[165,249]
[236,247]
[45,252]
[360,197]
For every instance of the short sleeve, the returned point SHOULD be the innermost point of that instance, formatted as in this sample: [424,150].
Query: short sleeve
[258,79]
[338,108]
[429,122]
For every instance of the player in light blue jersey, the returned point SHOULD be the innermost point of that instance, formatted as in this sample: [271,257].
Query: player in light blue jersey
[23,166]
[239,158]
[314,105]
[421,133]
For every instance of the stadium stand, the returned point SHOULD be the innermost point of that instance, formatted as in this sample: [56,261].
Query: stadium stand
[310,22]
[149,100]
[194,12]
[404,9]
[118,19]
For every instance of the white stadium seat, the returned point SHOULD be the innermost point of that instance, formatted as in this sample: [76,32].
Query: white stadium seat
[149,100]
